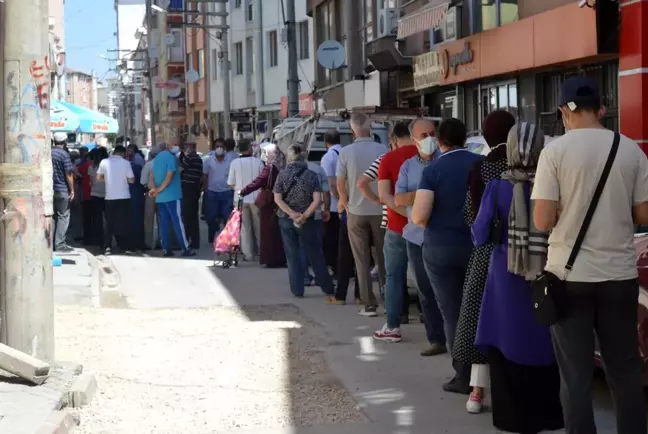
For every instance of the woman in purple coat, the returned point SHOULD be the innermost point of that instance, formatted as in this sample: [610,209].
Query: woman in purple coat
[525,381]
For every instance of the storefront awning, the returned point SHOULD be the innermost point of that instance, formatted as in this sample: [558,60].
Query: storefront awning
[422,20]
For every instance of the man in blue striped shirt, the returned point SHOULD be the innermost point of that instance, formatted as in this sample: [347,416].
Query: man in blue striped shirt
[63,183]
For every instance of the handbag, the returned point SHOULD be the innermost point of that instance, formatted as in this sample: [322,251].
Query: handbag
[495,230]
[265,196]
[548,290]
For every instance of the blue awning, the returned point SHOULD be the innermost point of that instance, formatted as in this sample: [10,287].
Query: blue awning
[80,119]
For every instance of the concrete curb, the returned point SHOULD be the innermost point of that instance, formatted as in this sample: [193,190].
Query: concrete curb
[82,391]
[60,422]
[95,279]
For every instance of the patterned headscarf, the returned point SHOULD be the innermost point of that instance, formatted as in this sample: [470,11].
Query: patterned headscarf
[527,246]
[274,156]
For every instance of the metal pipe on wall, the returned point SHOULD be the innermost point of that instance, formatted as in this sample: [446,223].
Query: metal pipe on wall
[258,55]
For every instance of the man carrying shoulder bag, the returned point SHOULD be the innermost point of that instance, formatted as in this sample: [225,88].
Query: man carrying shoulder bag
[591,188]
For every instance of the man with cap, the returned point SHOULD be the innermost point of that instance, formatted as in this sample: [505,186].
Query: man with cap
[63,183]
[601,289]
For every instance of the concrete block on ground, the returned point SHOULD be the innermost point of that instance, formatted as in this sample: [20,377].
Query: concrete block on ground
[60,422]
[82,390]
[23,365]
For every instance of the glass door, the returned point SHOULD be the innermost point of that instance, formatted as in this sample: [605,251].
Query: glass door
[499,96]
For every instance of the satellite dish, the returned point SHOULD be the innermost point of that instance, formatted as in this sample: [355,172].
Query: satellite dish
[174,92]
[192,76]
[169,39]
[154,51]
[330,54]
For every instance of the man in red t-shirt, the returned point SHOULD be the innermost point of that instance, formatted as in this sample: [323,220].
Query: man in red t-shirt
[395,247]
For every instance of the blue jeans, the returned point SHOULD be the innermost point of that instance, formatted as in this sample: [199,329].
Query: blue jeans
[395,251]
[170,214]
[446,268]
[308,236]
[218,208]
[431,312]
[305,262]
[61,219]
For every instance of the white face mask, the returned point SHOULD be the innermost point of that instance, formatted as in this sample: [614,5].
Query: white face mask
[219,152]
[428,145]
[175,150]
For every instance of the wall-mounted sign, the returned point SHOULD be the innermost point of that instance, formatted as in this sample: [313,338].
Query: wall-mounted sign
[244,127]
[429,69]
[465,57]
[306,105]
[240,117]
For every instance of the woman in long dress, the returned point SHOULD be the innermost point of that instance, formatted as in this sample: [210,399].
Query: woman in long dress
[496,128]
[525,381]
[272,252]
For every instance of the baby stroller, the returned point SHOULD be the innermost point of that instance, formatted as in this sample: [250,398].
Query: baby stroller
[229,240]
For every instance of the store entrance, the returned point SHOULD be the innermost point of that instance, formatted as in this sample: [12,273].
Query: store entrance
[498,96]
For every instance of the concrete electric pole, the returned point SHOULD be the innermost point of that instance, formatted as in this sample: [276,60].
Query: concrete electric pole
[293,73]
[26,295]
[149,71]
[225,70]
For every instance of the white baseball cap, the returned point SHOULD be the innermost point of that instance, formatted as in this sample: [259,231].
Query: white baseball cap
[60,137]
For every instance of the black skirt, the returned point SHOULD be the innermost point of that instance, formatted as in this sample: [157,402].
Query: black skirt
[525,399]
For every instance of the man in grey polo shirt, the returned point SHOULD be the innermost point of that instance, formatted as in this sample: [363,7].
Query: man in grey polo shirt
[363,215]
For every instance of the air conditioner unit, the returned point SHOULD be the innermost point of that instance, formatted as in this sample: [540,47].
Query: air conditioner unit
[387,22]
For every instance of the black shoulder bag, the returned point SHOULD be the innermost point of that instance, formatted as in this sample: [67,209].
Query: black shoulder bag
[549,293]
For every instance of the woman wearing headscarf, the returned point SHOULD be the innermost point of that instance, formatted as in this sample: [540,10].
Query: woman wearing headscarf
[525,381]
[496,128]
[272,253]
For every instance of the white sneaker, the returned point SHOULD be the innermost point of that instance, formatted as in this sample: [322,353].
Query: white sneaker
[474,404]
[386,334]
[368,311]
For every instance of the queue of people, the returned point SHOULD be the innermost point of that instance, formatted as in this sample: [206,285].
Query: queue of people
[478,232]
[481,234]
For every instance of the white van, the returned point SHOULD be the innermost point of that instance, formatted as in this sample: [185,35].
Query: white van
[317,148]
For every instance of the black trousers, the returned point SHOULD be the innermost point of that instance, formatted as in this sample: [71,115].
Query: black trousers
[118,215]
[98,222]
[609,309]
[86,210]
[190,217]
[331,237]
[345,265]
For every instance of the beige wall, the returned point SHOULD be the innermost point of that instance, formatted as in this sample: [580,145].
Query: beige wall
[79,89]
[56,8]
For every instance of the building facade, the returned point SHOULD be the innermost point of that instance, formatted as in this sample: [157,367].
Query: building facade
[258,73]
[57,48]
[81,89]
[199,124]
[467,58]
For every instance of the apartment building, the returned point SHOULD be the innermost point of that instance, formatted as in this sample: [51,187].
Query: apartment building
[81,88]
[467,58]
[199,124]
[259,66]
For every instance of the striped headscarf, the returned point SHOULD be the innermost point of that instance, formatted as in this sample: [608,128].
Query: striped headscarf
[527,246]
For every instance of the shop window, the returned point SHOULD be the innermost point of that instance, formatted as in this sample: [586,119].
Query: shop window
[498,96]
[365,32]
[489,14]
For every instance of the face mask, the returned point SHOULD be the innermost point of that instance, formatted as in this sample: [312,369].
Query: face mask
[219,152]
[428,145]
[175,150]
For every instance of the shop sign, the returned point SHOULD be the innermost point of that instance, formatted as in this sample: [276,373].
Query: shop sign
[429,69]
[60,124]
[306,105]
[464,59]
[100,127]
[240,117]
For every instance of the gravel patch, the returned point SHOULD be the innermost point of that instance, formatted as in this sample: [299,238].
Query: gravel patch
[202,371]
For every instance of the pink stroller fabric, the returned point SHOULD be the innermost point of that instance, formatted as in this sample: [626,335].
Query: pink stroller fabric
[230,236]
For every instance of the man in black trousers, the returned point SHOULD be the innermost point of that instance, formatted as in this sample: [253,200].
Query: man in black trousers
[191,167]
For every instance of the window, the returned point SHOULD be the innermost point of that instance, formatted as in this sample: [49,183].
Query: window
[249,11]
[189,62]
[201,63]
[303,48]
[175,50]
[249,63]
[237,4]
[273,48]
[214,60]
[488,14]
[238,53]
[366,33]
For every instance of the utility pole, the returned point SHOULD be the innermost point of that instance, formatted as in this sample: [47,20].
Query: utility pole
[207,7]
[149,71]
[293,73]
[225,70]
[26,301]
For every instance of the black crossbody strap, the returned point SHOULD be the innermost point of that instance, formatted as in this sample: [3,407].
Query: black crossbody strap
[595,199]
[295,179]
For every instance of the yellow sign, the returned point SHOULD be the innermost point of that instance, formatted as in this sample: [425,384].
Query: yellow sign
[429,69]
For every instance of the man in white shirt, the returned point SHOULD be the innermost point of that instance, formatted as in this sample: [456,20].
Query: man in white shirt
[242,171]
[601,289]
[332,226]
[116,172]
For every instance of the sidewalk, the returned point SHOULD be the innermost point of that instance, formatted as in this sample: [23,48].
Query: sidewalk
[397,390]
